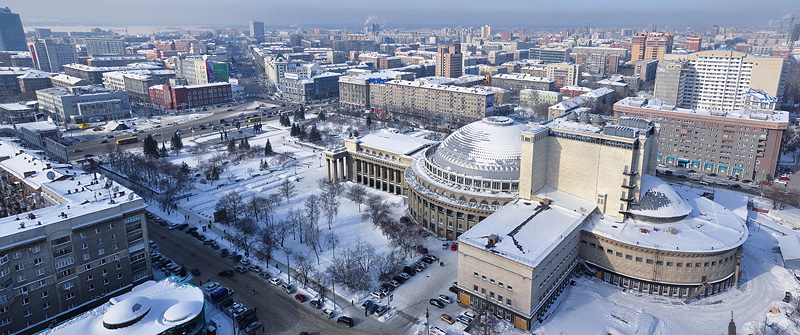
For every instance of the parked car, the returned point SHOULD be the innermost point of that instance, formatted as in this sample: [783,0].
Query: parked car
[254,268]
[381,310]
[447,318]
[253,326]
[446,298]
[237,258]
[366,304]
[372,308]
[182,226]
[172,226]
[264,275]
[437,331]
[328,313]
[244,262]
[275,281]
[405,275]
[300,298]
[394,283]
[400,279]
[240,268]
[409,270]
[315,303]
[347,321]
[226,273]
[288,288]
[377,294]
[208,242]
[208,287]
[454,246]
[436,302]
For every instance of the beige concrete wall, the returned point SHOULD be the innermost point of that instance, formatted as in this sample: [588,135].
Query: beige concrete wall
[473,260]
[720,264]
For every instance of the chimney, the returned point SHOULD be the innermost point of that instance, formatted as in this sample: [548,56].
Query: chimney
[492,240]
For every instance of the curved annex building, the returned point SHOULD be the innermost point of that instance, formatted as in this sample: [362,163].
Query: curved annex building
[466,177]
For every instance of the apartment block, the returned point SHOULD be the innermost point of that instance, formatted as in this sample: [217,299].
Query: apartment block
[550,55]
[718,79]
[650,45]
[182,97]
[743,143]
[422,100]
[77,239]
[564,74]
[83,103]
[521,81]
[449,60]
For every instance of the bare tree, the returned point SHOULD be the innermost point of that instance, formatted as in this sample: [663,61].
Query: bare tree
[303,267]
[388,264]
[330,206]
[357,193]
[246,233]
[282,228]
[377,211]
[487,323]
[231,203]
[332,241]
[266,243]
[313,205]
[287,190]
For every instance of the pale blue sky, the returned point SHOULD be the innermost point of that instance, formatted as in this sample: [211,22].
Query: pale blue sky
[429,13]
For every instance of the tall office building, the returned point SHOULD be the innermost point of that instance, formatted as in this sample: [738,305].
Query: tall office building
[43,32]
[448,60]
[257,30]
[105,46]
[724,80]
[12,37]
[51,56]
[650,45]
[487,31]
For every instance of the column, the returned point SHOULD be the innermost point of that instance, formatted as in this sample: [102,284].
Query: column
[341,169]
[328,169]
[335,171]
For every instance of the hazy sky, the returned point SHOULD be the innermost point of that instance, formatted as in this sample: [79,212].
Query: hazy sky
[430,13]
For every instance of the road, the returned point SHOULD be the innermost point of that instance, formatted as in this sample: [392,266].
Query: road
[279,311]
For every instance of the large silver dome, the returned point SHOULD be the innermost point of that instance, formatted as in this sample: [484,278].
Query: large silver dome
[489,148]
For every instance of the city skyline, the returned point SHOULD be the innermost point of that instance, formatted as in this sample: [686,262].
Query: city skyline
[309,13]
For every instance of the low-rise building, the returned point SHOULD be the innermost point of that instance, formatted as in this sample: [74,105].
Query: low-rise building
[83,103]
[521,81]
[63,80]
[94,74]
[530,98]
[137,82]
[300,89]
[190,96]
[454,104]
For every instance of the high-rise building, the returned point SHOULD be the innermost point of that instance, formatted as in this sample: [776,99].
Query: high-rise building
[564,74]
[650,45]
[487,32]
[550,55]
[43,32]
[693,43]
[719,80]
[50,56]
[448,60]
[603,64]
[105,46]
[257,30]
[12,37]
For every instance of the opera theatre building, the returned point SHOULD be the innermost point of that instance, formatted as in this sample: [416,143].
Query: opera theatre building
[531,204]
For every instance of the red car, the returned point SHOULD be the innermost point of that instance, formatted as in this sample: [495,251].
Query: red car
[454,246]
[785,178]
[300,298]
[766,183]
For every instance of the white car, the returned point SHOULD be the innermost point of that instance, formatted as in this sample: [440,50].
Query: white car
[208,287]
[437,331]
[275,281]
[244,262]
[446,298]
[328,313]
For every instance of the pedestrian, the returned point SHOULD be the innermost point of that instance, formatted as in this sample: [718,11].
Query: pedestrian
[352,303]
[254,290]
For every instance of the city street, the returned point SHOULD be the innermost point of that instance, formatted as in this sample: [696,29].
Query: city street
[280,313]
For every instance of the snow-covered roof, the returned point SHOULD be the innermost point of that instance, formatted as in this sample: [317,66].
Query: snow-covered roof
[489,148]
[470,90]
[790,246]
[76,193]
[64,78]
[659,200]
[528,231]
[659,105]
[150,308]
[388,141]
[38,126]
[523,77]
[708,227]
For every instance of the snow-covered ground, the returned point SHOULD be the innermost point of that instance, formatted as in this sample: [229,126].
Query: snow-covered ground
[307,167]
[589,307]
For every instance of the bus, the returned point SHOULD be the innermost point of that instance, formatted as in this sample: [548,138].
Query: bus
[254,119]
[127,140]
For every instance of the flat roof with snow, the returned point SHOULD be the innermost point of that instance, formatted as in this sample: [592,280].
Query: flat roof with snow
[400,144]
[528,231]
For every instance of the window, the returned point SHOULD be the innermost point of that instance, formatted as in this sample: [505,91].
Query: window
[483,277]
[101,251]
[68,286]
[27,313]
[111,226]
[500,284]
[5,309]
[475,274]
[23,290]
[44,294]
[87,267]
[69,296]
[97,230]
[17,255]
[475,288]
[86,257]
[638,259]
[3,259]
[89,277]
[43,282]
[83,235]
[669,263]
[680,265]
[491,295]
[609,251]
[628,256]
[508,302]
[45,305]
[500,298]
[619,254]
[84,246]
[688,265]
[105,281]
[99,241]
[40,272]
[491,281]
[21,279]
[509,288]
[26,301]
[91,287]
[37,261]
[649,261]
[483,291]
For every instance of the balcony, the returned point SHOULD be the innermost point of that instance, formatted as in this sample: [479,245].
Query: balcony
[631,186]
[628,199]
[630,173]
